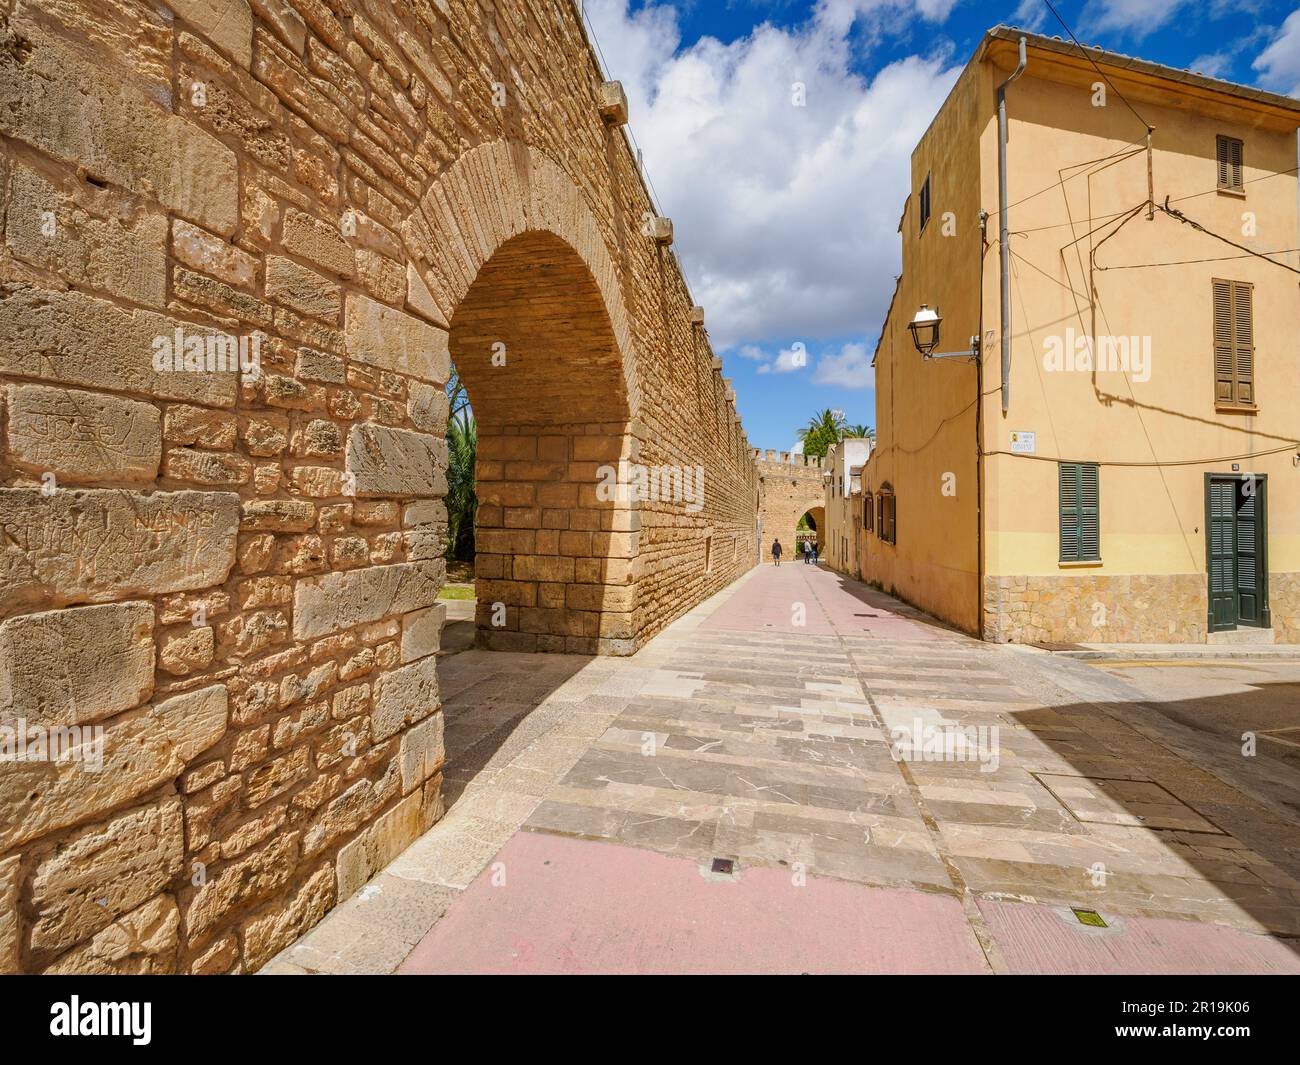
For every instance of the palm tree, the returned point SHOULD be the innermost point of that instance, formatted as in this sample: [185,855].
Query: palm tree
[462,501]
[862,432]
[821,432]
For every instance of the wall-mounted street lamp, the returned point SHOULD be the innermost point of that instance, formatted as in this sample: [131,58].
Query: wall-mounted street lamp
[925,335]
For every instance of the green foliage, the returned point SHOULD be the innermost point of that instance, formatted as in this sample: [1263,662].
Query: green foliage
[821,432]
[462,456]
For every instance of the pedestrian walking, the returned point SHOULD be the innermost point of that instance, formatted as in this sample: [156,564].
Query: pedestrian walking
[776,551]
[807,552]
[814,554]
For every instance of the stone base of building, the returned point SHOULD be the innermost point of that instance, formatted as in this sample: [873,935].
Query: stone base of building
[1095,608]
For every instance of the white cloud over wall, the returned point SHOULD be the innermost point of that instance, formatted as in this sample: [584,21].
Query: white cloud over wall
[786,216]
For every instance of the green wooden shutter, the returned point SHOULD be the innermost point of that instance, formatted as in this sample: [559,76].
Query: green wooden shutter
[1243,344]
[1249,598]
[1080,512]
[1221,548]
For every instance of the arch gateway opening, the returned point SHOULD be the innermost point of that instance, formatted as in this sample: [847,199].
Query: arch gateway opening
[554,555]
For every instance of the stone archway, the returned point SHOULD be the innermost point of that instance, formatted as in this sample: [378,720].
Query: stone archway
[539,335]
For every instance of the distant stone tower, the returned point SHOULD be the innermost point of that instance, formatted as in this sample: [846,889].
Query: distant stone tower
[790,485]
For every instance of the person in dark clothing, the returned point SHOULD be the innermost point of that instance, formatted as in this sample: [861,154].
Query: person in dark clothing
[776,551]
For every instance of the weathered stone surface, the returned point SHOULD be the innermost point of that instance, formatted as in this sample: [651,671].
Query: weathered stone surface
[402,696]
[310,238]
[72,338]
[378,845]
[304,290]
[253,877]
[394,340]
[226,23]
[125,257]
[78,112]
[101,544]
[104,871]
[141,943]
[141,749]
[82,436]
[422,632]
[9,941]
[77,665]
[422,752]
[426,406]
[269,933]
[211,254]
[396,462]
[336,601]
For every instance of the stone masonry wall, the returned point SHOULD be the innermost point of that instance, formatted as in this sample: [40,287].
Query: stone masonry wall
[790,485]
[233,570]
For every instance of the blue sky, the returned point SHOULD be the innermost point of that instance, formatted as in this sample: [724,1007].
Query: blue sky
[785,212]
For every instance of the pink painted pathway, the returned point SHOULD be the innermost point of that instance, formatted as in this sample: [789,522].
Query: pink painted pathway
[832,605]
[574,906]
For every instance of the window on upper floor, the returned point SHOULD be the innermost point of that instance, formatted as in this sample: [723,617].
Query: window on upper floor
[1228,151]
[1234,344]
[925,202]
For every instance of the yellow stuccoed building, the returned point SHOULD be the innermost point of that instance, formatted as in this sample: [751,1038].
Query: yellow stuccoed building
[1121,462]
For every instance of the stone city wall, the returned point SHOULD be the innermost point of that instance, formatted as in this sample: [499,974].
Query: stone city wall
[242,240]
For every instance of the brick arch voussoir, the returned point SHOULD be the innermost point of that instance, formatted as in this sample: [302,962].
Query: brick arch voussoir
[491,194]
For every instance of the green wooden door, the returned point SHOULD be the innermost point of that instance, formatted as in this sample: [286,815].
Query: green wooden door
[1250,578]
[1221,537]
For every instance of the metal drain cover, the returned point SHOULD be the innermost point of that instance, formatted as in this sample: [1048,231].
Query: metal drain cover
[1140,803]
[723,866]
[1090,917]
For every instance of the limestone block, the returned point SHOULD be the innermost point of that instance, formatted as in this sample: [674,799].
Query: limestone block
[396,462]
[383,336]
[226,23]
[269,933]
[127,257]
[336,601]
[72,338]
[422,752]
[79,112]
[403,695]
[100,544]
[422,632]
[77,665]
[9,941]
[140,750]
[662,230]
[212,255]
[104,871]
[254,876]
[141,943]
[427,407]
[310,238]
[612,101]
[378,845]
[304,290]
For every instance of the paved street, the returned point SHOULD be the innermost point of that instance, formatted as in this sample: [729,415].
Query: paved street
[804,775]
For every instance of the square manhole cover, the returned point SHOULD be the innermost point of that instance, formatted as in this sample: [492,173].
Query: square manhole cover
[1142,803]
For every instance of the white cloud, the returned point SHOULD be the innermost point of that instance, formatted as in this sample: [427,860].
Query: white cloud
[1137,18]
[850,367]
[1279,63]
[1212,65]
[1030,15]
[786,216]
